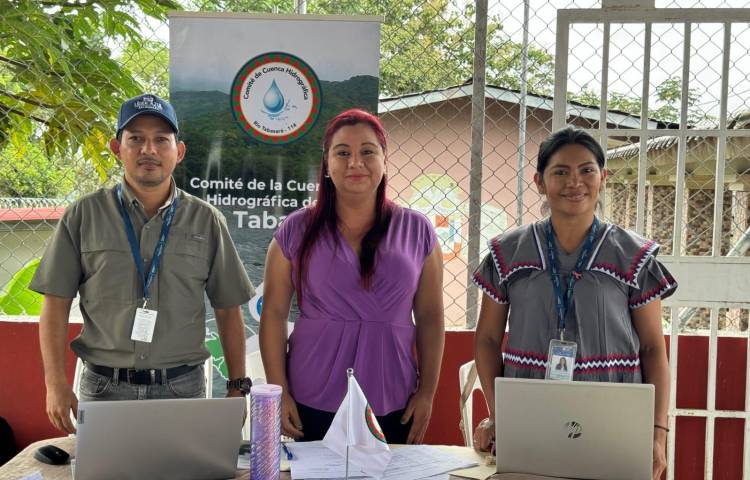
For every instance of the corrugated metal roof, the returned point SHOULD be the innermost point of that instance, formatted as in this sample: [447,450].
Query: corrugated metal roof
[657,143]
[544,102]
[20,209]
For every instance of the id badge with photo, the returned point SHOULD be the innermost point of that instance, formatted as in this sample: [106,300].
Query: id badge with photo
[143,325]
[561,358]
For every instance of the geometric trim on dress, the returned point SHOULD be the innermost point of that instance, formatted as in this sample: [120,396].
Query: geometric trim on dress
[504,270]
[488,289]
[613,362]
[588,365]
[521,359]
[631,276]
[665,284]
[599,245]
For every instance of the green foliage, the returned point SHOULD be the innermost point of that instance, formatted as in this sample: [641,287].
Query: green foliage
[668,96]
[430,45]
[239,6]
[60,83]
[425,44]
[25,170]
[61,80]
[669,93]
[16,298]
[148,61]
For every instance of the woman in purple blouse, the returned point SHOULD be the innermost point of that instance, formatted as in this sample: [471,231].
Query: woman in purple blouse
[360,266]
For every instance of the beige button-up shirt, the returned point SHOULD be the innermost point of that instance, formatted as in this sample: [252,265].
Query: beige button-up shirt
[90,254]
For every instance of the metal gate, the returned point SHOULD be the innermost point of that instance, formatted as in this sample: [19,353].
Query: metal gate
[684,182]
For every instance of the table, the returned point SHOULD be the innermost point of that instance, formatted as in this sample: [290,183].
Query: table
[25,464]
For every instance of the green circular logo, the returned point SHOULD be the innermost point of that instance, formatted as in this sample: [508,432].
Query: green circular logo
[276,98]
[372,424]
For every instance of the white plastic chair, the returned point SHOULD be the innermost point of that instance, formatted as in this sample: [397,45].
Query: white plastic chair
[468,382]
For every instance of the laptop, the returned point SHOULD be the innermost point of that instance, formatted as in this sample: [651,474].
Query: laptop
[189,439]
[580,430]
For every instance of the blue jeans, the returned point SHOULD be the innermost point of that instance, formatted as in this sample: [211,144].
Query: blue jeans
[99,387]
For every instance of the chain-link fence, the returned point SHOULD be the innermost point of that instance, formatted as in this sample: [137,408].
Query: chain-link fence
[463,127]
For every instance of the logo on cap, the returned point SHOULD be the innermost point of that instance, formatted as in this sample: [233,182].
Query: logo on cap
[276,98]
[148,102]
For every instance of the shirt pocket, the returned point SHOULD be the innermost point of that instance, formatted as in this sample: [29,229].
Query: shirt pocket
[186,263]
[108,270]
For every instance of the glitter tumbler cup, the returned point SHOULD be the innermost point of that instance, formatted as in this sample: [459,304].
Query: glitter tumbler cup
[265,413]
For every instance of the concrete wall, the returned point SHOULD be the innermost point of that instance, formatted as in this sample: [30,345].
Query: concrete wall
[21,242]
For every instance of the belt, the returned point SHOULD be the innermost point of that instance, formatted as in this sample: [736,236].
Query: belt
[141,377]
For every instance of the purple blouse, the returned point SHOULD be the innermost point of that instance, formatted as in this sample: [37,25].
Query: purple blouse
[341,325]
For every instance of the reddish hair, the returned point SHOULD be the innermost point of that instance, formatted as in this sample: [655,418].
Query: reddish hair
[323,213]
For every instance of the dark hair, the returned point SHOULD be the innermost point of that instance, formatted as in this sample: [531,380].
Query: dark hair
[323,213]
[567,136]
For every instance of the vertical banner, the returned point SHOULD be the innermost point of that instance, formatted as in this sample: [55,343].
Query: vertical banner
[253,95]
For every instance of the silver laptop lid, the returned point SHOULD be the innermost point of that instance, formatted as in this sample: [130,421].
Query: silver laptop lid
[191,439]
[582,430]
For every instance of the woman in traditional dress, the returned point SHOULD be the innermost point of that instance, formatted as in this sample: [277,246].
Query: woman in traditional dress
[573,281]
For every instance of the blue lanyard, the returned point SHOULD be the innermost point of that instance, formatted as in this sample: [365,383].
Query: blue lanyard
[562,303]
[135,247]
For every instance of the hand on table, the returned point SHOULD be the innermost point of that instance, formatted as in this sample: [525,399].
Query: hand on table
[484,435]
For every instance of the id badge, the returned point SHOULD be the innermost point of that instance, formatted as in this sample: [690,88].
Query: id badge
[561,360]
[143,325]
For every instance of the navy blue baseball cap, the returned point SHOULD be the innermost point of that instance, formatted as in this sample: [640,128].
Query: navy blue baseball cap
[146,104]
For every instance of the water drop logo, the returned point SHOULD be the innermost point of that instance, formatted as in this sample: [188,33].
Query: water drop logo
[276,98]
[255,305]
[273,100]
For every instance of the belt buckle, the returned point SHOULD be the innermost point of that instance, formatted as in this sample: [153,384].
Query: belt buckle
[141,377]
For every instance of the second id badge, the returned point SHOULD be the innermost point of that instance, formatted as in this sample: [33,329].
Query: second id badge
[561,360]
[143,325]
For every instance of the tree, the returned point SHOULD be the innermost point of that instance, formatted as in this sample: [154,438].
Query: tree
[67,65]
[25,170]
[668,95]
[148,62]
[60,83]
[425,45]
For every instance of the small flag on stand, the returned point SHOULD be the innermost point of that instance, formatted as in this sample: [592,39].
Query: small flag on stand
[356,435]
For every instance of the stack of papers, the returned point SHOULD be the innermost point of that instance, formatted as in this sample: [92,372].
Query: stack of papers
[312,460]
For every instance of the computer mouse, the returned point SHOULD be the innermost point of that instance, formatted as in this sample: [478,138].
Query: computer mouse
[51,455]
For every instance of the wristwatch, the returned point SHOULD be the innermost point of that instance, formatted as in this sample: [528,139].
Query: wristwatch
[242,384]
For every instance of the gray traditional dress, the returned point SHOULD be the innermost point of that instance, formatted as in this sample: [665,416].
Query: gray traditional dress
[622,274]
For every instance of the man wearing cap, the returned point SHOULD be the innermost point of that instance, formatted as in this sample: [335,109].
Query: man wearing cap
[140,255]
